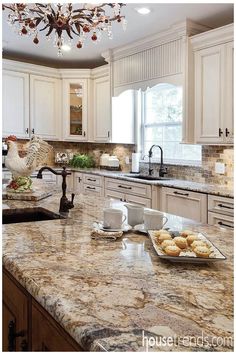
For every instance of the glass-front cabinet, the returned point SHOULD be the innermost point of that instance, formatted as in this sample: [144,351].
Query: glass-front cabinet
[75,103]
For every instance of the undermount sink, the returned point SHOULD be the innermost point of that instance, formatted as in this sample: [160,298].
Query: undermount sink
[147,177]
[35,214]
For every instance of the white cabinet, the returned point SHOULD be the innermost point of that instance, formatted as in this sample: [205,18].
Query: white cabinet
[45,107]
[78,182]
[183,203]
[127,191]
[93,185]
[221,211]
[15,101]
[75,109]
[102,109]
[213,60]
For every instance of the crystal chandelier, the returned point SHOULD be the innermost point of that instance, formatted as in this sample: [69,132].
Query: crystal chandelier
[64,21]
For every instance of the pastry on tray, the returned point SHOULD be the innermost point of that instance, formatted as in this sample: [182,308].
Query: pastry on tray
[164,236]
[172,250]
[198,243]
[202,252]
[191,238]
[167,243]
[181,242]
[185,233]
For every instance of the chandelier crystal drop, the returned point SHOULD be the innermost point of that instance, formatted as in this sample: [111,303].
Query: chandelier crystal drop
[64,21]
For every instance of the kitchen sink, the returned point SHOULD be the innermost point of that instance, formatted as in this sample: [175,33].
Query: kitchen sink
[35,214]
[147,177]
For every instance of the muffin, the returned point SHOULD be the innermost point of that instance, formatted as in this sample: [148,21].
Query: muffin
[198,243]
[164,236]
[157,233]
[167,243]
[172,250]
[191,238]
[181,242]
[202,252]
[185,233]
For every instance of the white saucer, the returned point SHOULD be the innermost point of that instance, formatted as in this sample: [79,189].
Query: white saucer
[125,227]
[140,228]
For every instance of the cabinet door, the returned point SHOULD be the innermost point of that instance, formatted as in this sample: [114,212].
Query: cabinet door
[184,203]
[102,110]
[75,109]
[15,316]
[209,91]
[47,335]
[78,183]
[229,93]
[44,107]
[15,102]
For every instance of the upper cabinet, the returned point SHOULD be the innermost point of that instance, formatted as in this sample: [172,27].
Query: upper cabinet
[102,109]
[75,109]
[44,107]
[15,101]
[213,61]
[30,102]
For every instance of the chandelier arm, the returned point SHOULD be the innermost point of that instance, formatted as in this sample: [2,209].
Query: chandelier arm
[68,33]
[77,34]
[47,25]
[49,31]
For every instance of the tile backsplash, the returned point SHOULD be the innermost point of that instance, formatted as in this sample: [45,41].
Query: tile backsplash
[206,172]
[203,174]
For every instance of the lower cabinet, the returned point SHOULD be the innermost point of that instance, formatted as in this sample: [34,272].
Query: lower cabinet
[27,326]
[220,220]
[183,203]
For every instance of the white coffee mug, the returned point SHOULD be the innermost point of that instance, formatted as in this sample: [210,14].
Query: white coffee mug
[154,220]
[113,218]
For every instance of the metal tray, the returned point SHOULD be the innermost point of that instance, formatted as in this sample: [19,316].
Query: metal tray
[187,255]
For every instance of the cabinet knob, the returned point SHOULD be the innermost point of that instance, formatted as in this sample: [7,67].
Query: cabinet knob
[84,133]
[108,134]
[32,131]
[226,132]
[220,132]
[27,130]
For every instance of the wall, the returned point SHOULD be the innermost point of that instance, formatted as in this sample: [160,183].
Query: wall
[202,174]
[94,149]
[206,172]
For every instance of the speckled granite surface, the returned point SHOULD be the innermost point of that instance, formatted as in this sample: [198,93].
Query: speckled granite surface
[181,184]
[105,294]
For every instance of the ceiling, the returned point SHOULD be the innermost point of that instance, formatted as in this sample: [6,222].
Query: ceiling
[162,16]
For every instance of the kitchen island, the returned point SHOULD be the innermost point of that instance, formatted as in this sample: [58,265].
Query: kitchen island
[115,295]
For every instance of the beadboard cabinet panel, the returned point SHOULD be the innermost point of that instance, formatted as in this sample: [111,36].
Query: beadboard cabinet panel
[44,107]
[15,102]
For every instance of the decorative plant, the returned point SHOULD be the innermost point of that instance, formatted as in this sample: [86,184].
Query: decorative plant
[82,161]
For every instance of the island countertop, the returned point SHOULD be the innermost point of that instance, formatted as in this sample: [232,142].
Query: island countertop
[105,294]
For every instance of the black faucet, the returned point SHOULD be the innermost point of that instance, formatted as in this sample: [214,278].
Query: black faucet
[162,170]
[65,204]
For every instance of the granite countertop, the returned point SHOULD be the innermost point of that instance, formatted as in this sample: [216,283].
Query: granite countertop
[106,293]
[218,190]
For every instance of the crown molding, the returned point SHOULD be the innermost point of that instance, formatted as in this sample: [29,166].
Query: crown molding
[74,73]
[100,72]
[214,37]
[175,32]
[29,68]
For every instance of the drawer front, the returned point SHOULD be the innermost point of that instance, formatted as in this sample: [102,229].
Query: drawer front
[128,187]
[218,204]
[220,220]
[184,203]
[92,190]
[141,201]
[92,179]
[115,195]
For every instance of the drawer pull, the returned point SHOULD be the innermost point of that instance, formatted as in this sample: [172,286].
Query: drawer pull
[181,193]
[220,132]
[90,188]
[226,132]
[224,206]
[225,225]
[91,179]
[125,187]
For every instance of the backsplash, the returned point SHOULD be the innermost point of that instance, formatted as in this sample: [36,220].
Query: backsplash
[94,149]
[202,174]
[206,172]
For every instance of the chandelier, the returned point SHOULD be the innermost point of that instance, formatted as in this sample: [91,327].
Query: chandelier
[64,20]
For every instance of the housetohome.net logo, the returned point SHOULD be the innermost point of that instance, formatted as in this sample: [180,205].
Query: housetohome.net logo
[202,341]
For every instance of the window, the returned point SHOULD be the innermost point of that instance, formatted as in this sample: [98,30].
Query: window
[162,125]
